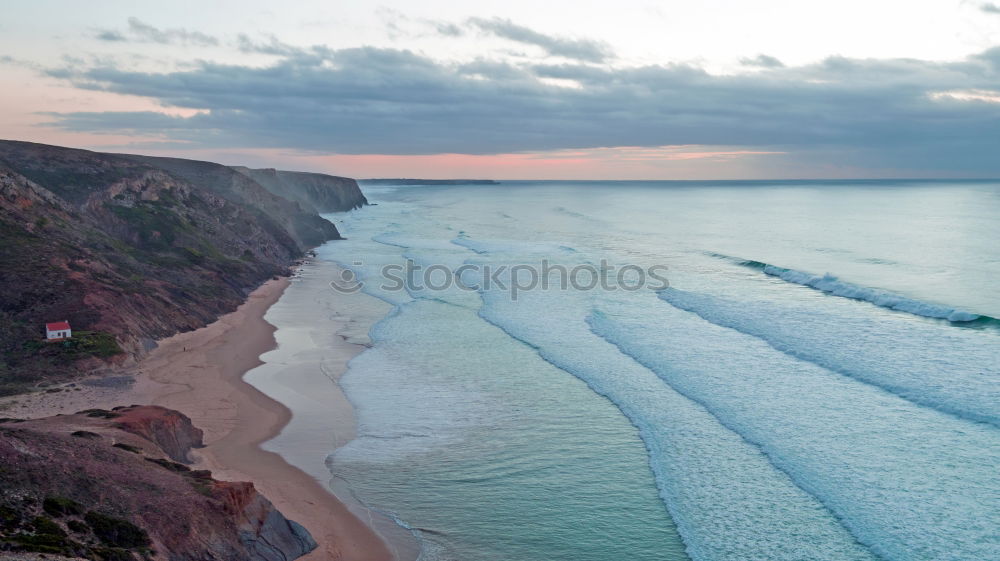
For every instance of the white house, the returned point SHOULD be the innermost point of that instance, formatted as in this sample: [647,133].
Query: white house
[58,331]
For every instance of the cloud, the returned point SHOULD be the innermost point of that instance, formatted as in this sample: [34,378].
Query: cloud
[142,32]
[990,8]
[110,35]
[577,49]
[875,112]
[270,47]
[763,61]
[448,29]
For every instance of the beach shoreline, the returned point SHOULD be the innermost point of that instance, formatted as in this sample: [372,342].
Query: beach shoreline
[201,374]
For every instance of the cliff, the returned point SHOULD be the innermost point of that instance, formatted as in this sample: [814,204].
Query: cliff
[129,250]
[303,224]
[108,485]
[316,191]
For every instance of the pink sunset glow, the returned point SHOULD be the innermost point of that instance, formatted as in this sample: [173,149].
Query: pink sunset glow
[596,163]
[670,162]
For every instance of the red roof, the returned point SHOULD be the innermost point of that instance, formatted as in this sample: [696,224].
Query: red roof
[57,326]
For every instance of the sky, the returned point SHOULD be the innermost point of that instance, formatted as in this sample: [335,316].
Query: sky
[629,89]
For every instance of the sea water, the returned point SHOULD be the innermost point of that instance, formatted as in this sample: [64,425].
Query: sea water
[820,380]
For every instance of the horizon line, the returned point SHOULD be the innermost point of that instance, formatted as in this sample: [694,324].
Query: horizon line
[459,179]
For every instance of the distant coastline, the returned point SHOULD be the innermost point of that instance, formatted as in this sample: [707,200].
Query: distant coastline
[410,181]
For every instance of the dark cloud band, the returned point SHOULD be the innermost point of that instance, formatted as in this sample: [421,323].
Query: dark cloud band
[895,112]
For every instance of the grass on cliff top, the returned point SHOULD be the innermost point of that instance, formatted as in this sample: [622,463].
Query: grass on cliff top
[83,344]
[35,360]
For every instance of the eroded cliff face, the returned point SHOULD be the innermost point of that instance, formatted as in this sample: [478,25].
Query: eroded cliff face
[107,485]
[128,252]
[171,431]
[316,191]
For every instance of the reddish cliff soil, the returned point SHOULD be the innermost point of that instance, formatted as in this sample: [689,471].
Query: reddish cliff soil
[106,485]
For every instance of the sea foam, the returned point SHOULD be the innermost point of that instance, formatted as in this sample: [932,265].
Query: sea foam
[955,371]
[721,491]
[907,481]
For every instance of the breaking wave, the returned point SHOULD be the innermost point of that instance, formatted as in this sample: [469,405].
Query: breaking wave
[889,351]
[830,284]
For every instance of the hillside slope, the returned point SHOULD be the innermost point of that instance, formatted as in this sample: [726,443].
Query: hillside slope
[304,225]
[128,252]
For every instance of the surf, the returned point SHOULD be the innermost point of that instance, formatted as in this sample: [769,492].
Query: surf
[831,284]
[899,355]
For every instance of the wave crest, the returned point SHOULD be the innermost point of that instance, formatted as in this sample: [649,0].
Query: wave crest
[830,284]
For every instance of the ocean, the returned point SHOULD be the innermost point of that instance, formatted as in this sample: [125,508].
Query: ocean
[711,371]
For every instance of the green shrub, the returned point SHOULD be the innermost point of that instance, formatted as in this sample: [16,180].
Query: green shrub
[85,434]
[172,466]
[83,344]
[44,543]
[193,255]
[128,447]
[9,518]
[61,506]
[112,554]
[99,413]
[115,531]
[46,526]
[95,343]
[156,226]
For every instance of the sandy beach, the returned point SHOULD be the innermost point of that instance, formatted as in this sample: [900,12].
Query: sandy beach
[200,373]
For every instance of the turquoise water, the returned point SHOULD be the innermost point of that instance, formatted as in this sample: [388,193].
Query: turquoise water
[797,392]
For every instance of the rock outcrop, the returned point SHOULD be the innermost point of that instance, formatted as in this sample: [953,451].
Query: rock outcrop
[316,191]
[106,485]
[170,430]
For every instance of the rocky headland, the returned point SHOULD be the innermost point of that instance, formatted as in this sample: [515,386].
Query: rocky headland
[315,191]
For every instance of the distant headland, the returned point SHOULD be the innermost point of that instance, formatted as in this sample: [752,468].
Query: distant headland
[428,182]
